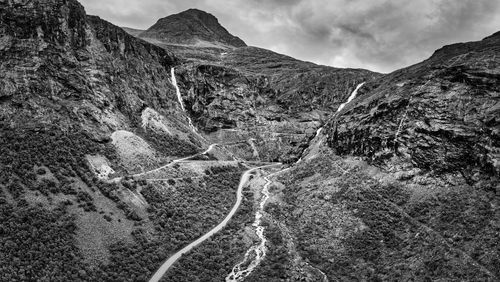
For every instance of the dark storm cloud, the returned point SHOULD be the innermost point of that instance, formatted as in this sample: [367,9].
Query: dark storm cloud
[380,35]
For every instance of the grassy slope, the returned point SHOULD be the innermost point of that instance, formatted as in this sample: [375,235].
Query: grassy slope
[48,191]
[354,222]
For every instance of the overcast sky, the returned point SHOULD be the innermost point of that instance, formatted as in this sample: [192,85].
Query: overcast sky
[380,35]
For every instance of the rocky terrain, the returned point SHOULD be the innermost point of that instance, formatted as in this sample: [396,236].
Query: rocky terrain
[253,92]
[439,115]
[192,27]
[119,147]
[81,101]
[402,184]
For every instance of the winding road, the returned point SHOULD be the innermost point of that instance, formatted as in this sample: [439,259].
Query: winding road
[237,274]
[118,179]
[239,195]
[176,161]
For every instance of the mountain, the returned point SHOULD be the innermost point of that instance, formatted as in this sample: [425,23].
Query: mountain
[133,31]
[249,92]
[193,27]
[119,148]
[402,184]
[81,102]
[275,99]
[91,122]
[440,114]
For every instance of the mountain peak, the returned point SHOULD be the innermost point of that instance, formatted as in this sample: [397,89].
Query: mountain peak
[194,11]
[192,27]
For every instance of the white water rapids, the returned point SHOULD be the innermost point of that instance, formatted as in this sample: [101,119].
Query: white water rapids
[239,195]
[179,97]
[237,273]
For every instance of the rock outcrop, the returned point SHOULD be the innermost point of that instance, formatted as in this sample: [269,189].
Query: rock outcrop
[61,66]
[266,95]
[440,115]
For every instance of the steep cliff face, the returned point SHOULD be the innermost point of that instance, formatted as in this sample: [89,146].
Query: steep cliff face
[192,27]
[249,92]
[439,115]
[61,66]
[53,54]
[284,104]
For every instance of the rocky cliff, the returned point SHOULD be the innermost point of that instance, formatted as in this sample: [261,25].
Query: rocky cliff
[267,96]
[52,53]
[64,67]
[439,115]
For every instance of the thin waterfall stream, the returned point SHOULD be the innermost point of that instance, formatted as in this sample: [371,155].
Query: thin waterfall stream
[179,98]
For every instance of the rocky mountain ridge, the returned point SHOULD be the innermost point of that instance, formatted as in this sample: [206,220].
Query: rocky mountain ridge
[249,92]
[441,114]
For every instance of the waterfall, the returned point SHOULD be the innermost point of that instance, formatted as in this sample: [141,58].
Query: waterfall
[318,132]
[353,95]
[181,103]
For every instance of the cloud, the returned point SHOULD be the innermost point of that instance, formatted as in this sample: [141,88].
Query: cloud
[381,35]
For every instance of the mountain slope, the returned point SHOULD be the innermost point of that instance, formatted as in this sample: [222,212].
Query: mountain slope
[251,93]
[83,102]
[133,31]
[441,114]
[192,27]
[402,184]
